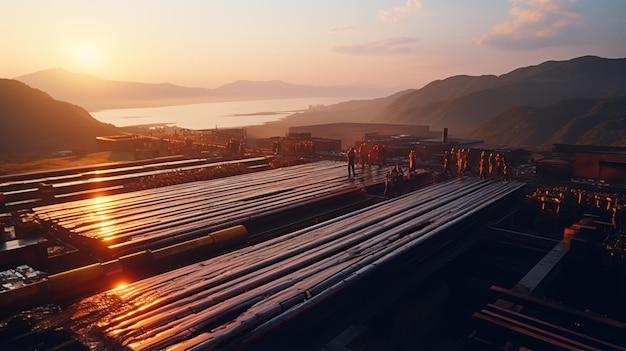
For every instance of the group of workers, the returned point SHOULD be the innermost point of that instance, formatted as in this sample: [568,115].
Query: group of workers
[455,162]
[396,176]
[367,155]
[235,147]
[398,181]
[492,166]
[371,154]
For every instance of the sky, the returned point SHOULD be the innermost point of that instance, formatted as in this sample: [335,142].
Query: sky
[393,43]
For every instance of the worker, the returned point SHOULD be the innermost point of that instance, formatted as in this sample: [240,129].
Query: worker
[452,164]
[388,185]
[398,170]
[363,153]
[380,155]
[351,156]
[498,166]
[412,160]
[465,160]
[506,172]
[446,163]
[393,180]
[482,167]
[459,162]
[491,162]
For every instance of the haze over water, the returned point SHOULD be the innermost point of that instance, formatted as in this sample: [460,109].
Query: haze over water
[230,114]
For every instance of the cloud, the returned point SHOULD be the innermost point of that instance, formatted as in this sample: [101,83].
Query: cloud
[341,29]
[536,24]
[398,13]
[389,46]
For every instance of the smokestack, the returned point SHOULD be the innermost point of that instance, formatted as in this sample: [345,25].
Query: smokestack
[444,136]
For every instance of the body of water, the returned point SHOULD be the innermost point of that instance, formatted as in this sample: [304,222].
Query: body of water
[232,114]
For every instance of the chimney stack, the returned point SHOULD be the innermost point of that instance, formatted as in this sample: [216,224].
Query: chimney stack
[444,136]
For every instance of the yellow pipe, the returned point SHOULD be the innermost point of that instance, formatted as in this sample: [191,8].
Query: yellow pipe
[75,281]
[230,237]
[219,240]
[80,280]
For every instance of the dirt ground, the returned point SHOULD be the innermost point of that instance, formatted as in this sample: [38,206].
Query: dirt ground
[25,165]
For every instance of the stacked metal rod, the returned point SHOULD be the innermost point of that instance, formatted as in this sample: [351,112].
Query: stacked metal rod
[136,172]
[110,170]
[70,182]
[130,222]
[254,289]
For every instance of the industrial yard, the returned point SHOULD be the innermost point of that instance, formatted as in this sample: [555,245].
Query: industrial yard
[284,251]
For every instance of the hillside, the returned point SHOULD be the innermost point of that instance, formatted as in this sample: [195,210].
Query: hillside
[33,122]
[461,103]
[442,90]
[578,121]
[552,91]
[355,111]
[95,94]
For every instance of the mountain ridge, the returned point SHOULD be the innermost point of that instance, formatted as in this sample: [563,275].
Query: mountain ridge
[94,93]
[578,101]
[546,83]
[31,121]
[461,103]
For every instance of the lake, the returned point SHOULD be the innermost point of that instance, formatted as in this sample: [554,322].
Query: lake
[211,115]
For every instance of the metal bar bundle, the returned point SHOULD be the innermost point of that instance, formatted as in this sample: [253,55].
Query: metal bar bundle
[129,222]
[252,290]
[68,183]
[58,176]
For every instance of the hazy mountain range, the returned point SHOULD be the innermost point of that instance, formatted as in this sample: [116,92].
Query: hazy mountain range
[579,101]
[481,107]
[95,93]
[461,103]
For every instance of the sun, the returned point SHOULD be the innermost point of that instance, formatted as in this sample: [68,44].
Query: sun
[88,56]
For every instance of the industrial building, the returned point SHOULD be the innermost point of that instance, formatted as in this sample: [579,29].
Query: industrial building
[350,133]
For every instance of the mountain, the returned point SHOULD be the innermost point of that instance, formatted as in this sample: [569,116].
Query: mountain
[576,121]
[33,122]
[442,90]
[552,92]
[94,93]
[353,111]
[276,89]
[461,103]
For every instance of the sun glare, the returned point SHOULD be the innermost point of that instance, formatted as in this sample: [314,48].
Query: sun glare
[120,286]
[88,56]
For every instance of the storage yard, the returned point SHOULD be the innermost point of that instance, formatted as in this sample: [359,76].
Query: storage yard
[247,255]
